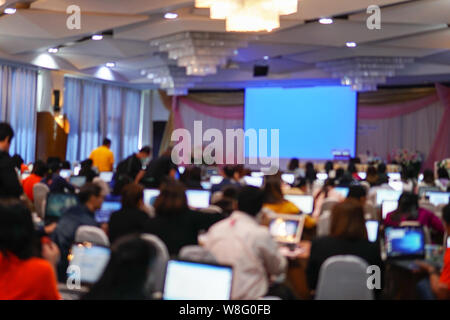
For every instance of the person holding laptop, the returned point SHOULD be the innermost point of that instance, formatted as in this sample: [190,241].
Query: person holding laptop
[437,284]
[103,157]
[249,248]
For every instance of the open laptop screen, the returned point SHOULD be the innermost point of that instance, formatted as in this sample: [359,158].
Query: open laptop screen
[387,194]
[106,176]
[57,203]
[342,190]
[405,242]
[215,179]
[108,207]
[304,202]
[372,230]
[438,198]
[150,196]
[77,181]
[254,181]
[286,228]
[198,198]
[65,173]
[288,178]
[197,281]
[90,261]
[387,207]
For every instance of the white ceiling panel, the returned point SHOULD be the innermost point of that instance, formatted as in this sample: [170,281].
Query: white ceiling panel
[439,39]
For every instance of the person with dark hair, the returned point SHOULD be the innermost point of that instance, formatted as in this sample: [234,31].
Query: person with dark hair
[311,173]
[83,214]
[87,171]
[66,165]
[428,179]
[127,274]
[329,166]
[130,218]
[249,248]
[327,192]
[382,175]
[408,210]
[103,157]
[19,164]
[300,186]
[192,178]
[443,180]
[9,180]
[55,182]
[159,170]
[294,167]
[24,276]
[228,178]
[372,176]
[352,170]
[437,285]
[39,172]
[175,223]
[348,236]
[227,202]
[134,164]
[357,193]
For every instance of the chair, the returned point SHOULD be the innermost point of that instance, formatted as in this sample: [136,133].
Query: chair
[328,205]
[196,253]
[93,235]
[370,212]
[155,282]
[103,185]
[324,224]
[40,192]
[343,277]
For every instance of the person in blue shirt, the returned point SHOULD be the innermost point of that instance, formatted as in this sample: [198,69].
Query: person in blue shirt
[55,182]
[83,214]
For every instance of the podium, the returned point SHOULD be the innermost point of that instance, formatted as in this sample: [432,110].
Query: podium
[51,136]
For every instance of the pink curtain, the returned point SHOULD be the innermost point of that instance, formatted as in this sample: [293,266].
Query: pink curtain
[441,146]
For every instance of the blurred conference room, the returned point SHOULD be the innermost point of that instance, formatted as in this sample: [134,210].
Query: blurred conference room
[228,150]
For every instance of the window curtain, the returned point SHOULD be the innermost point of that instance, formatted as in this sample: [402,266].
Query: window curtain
[18,89]
[96,110]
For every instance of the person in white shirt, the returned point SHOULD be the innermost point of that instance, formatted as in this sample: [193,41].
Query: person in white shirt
[241,242]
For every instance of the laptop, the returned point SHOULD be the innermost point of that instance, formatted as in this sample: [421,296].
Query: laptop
[362,175]
[394,176]
[206,185]
[387,194]
[106,176]
[404,246]
[187,280]
[108,207]
[343,191]
[254,181]
[198,199]
[424,190]
[150,196]
[215,179]
[257,174]
[372,227]
[288,178]
[387,207]
[438,198]
[287,229]
[77,181]
[87,262]
[396,185]
[65,173]
[57,204]
[304,202]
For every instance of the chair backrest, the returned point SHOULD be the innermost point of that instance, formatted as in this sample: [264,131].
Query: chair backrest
[324,223]
[370,212]
[155,282]
[93,235]
[197,254]
[40,192]
[343,277]
[328,205]
[103,185]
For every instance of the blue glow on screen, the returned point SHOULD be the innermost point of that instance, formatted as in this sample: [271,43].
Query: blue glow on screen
[313,122]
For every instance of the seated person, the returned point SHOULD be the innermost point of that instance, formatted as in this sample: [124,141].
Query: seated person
[437,285]
[55,182]
[372,176]
[91,200]
[226,200]
[359,195]
[174,222]
[158,170]
[228,173]
[428,179]
[274,200]
[126,275]
[348,236]
[131,218]
[327,192]
[241,242]
[24,276]
[40,170]
[87,170]
[294,167]
[408,210]
[192,178]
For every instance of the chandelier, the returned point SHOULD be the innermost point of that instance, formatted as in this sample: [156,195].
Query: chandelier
[249,15]
[201,53]
[364,73]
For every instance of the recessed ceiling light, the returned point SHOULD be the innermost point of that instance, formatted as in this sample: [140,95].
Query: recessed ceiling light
[266,57]
[9,10]
[351,44]
[53,50]
[110,64]
[171,15]
[97,37]
[326,21]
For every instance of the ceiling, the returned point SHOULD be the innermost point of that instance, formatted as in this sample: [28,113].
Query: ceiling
[417,29]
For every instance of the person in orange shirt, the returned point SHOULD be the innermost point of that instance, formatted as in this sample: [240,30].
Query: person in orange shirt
[23,276]
[40,170]
[438,283]
[103,157]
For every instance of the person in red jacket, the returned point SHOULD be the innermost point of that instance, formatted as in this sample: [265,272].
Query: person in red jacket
[23,275]
[40,170]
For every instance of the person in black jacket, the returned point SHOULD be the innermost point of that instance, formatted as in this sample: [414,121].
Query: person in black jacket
[348,236]
[131,218]
[9,182]
[175,224]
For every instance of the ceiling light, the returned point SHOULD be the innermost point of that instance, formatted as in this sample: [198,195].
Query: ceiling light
[110,64]
[171,15]
[53,50]
[326,21]
[266,57]
[351,44]
[10,11]
[97,37]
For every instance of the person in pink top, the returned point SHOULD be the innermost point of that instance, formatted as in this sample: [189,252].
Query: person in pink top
[408,210]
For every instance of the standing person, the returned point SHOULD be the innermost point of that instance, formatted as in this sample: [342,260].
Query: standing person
[134,164]
[9,181]
[103,157]
[158,171]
